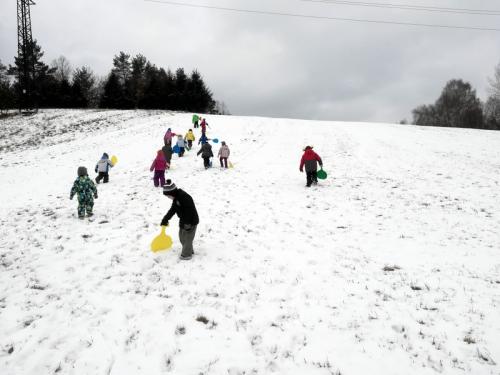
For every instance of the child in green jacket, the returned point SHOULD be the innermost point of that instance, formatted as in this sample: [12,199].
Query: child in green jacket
[85,188]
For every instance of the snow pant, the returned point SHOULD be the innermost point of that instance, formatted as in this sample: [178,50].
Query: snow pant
[223,162]
[206,162]
[181,151]
[190,144]
[159,178]
[102,175]
[311,176]
[196,124]
[187,237]
[85,206]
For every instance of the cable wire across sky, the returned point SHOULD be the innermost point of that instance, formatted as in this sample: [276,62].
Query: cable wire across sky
[424,8]
[295,15]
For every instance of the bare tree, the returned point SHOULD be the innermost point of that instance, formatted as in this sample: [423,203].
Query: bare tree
[221,108]
[62,68]
[494,82]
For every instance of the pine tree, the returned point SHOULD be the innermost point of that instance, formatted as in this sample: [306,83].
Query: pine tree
[198,96]
[181,80]
[42,84]
[83,86]
[113,96]
[138,79]
[122,67]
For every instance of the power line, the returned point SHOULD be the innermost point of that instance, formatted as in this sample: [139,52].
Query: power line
[323,17]
[425,8]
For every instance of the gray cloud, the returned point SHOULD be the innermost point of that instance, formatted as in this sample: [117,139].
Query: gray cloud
[276,66]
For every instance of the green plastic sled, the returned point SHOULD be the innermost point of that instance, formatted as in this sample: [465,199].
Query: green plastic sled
[322,174]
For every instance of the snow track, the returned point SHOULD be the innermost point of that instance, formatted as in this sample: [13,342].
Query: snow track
[390,266]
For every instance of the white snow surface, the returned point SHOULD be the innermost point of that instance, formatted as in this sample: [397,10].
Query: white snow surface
[389,266]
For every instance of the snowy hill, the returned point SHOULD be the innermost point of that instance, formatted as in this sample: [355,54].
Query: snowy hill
[390,266]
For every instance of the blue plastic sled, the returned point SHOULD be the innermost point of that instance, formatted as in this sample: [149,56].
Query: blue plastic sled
[215,140]
[176,149]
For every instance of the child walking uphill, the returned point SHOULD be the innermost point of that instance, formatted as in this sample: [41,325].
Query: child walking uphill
[203,126]
[85,189]
[189,137]
[102,167]
[195,120]
[181,144]
[167,138]
[223,154]
[167,151]
[159,166]
[310,160]
[206,154]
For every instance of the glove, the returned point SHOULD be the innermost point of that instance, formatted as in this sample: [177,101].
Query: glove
[188,227]
[70,197]
[95,196]
[301,170]
[95,169]
[164,222]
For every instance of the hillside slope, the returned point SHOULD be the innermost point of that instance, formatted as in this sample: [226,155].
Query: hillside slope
[390,266]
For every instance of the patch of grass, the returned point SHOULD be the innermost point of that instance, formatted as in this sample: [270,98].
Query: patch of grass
[202,319]
[180,330]
[469,340]
[391,268]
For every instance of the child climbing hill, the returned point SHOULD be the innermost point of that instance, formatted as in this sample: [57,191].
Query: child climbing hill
[86,191]
[159,166]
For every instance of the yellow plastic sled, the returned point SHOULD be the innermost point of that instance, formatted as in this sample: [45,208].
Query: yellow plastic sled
[114,160]
[161,242]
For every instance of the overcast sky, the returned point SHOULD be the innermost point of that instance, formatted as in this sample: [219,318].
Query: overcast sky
[267,65]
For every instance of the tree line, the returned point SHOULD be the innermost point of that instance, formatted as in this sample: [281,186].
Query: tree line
[133,83]
[458,106]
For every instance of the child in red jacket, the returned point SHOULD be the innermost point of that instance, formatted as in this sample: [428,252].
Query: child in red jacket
[159,165]
[310,160]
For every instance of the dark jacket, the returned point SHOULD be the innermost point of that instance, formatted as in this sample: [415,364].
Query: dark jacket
[167,151]
[183,206]
[206,151]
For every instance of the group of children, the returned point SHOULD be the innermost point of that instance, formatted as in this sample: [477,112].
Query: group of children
[86,190]
[177,143]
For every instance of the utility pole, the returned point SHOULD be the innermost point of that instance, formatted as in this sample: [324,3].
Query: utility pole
[25,55]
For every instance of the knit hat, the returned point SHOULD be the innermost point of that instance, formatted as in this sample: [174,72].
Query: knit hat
[223,143]
[308,148]
[105,156]
[82,171]
[169,187]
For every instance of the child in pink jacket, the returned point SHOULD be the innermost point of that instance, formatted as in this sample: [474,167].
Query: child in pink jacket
[159,166]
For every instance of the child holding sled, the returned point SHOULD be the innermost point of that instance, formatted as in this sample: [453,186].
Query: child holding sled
[310,159]
[102,168]
[223,155]
[181,144]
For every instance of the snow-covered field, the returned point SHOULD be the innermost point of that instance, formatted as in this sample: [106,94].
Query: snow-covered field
[390,266]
